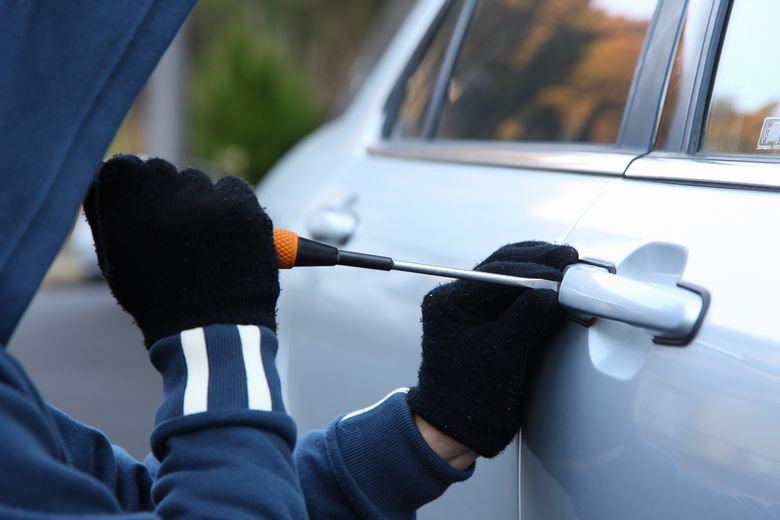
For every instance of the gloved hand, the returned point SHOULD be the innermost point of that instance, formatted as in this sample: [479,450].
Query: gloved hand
[477,338]
[180,252]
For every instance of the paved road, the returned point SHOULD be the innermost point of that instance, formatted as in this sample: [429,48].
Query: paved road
[87,359]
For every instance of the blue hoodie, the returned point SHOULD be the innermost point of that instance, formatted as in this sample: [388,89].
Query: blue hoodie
[223,446]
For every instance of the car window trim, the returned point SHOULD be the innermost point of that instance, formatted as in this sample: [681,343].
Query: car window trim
[435,105]
[569,158]
[397,95]
[651,77]
[734,171]
[680,122]
[716,32]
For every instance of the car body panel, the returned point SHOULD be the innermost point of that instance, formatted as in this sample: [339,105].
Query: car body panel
[692,431]
[342,363]
[619,426]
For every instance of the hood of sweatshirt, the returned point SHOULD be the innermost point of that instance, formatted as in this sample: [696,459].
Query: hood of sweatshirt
[69,72]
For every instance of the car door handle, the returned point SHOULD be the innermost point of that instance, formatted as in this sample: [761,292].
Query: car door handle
[673,312]
[332,226]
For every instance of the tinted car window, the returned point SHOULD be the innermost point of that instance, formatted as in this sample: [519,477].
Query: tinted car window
[553,70]
[419,85]
[744,111]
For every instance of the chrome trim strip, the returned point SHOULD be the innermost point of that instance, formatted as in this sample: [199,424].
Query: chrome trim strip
[707,170]
[544,157]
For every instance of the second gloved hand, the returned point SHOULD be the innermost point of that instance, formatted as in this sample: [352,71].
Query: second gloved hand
[179,251]
[477,339]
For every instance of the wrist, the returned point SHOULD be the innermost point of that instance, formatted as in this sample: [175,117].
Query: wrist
[454,453]
[155,326]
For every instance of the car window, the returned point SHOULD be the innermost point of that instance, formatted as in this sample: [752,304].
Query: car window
[557,70]
[743,116]
[420,83]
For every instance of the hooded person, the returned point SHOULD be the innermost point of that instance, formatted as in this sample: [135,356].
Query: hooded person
[194,264]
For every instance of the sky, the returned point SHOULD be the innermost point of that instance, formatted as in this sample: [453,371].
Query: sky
[632,9]
[749,71]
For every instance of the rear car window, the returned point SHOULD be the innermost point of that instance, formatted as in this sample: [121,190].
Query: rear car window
[556,70]
[743,116]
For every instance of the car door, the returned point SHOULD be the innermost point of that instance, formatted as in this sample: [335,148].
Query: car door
[468,136]
[625,427]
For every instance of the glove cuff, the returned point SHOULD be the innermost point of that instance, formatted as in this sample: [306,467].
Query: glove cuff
[155,328]
[486,433]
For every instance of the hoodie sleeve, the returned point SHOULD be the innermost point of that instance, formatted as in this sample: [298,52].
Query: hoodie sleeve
[372,464]
[91,452]
[38,477]
[222,438]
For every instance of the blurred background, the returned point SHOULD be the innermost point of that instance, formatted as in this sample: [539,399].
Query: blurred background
[241,84]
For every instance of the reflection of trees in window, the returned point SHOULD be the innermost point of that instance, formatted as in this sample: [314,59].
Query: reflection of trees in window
[731,130]
[558,70]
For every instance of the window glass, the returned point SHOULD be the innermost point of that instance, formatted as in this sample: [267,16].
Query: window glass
[744,112]
[557,70]
[420,84]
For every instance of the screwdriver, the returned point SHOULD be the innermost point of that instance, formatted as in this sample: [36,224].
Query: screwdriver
[295,251]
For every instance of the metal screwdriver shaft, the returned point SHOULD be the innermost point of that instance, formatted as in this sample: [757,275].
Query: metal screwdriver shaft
[295,251]
[479,276]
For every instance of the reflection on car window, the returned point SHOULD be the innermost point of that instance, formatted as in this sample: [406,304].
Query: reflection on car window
[557,70]
[420,83]
[744,112]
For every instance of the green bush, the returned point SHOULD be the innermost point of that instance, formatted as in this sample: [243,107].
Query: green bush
[249,103]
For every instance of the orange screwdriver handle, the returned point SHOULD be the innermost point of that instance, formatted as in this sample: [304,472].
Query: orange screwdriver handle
[286,243]
[293,251]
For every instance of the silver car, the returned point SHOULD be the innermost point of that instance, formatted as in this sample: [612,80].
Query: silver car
[645,133]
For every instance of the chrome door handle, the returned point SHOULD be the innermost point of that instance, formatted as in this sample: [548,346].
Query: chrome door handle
[332,226]
[674,312]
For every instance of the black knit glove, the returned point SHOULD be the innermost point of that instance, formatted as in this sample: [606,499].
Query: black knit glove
[180,252]
[477,338]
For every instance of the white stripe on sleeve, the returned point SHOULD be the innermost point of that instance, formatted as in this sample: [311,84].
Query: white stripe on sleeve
[258,392]
[196,392]
[403,390]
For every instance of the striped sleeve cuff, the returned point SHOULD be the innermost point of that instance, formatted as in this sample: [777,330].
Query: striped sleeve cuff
[217,368]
